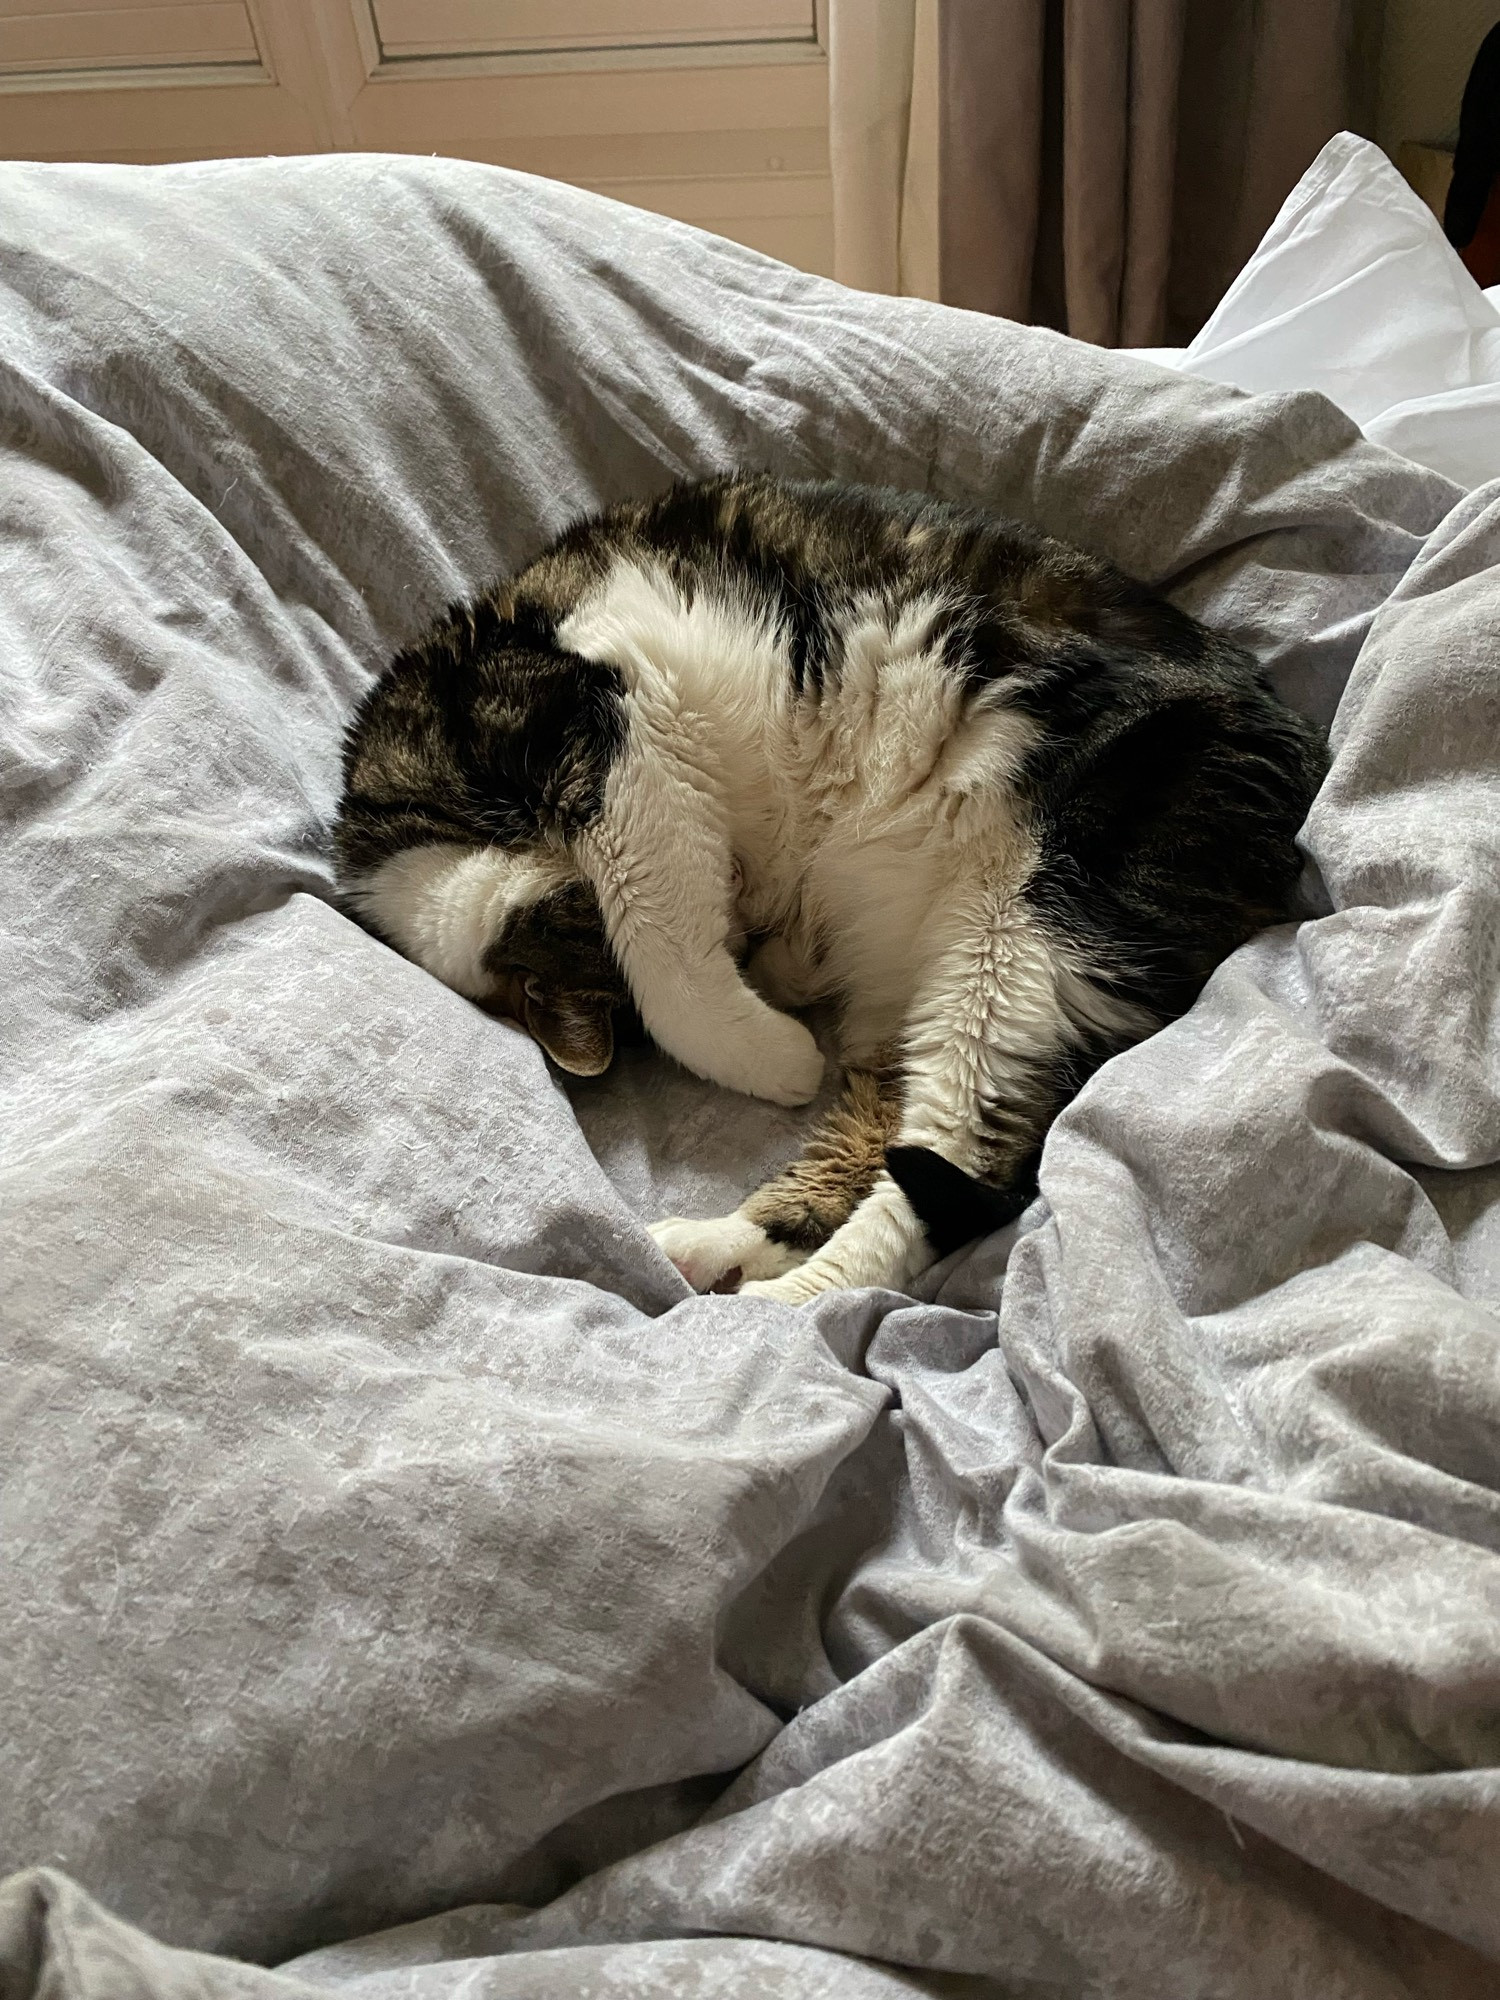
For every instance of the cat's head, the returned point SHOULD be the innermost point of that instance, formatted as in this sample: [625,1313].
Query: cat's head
[513,929]
[464,772]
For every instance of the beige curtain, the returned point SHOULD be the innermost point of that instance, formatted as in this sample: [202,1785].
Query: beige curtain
[1101,165]
[883,144]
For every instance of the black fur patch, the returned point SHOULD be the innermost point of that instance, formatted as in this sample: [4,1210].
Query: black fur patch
[1166,819]
[951,1205]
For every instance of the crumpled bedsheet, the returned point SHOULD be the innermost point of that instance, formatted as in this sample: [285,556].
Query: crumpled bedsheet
[404,1583]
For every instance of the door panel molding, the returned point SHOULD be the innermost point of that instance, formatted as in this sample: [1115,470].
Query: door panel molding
[742,149]
[50,45]
[523,37]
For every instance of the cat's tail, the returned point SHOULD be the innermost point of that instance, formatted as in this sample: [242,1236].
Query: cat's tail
[951,1205]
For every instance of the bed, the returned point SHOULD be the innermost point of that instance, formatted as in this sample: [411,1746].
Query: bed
[409,1588]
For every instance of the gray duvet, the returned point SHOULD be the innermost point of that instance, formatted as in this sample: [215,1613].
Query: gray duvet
[406,1583]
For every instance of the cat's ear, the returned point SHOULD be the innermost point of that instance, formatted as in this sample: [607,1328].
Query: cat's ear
[576,1029]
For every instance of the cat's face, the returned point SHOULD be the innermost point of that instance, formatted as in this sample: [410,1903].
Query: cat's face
[514,929]
[467,767]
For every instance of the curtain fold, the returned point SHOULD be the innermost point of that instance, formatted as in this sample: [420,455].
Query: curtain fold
[1156,43]
[871,45]
[989,90]
[1102,165]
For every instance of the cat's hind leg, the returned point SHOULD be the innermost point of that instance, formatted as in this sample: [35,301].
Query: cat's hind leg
[985,1067]
[798,1209]
[882,1243]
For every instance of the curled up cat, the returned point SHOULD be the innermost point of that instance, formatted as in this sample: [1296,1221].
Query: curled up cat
[756,744]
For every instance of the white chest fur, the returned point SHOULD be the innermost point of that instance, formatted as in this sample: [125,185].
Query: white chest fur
[856,815]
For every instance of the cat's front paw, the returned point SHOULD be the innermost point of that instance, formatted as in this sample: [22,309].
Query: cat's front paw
[777,1059]
[720,1248]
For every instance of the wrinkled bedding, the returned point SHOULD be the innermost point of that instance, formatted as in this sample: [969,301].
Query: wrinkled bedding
[1355,291]
[406,1584]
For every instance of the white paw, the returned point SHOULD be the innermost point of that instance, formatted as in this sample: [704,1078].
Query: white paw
[777,1059]
[793,1288]
[719,1247]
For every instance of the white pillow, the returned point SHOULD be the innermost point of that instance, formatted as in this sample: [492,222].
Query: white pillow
[1355,291]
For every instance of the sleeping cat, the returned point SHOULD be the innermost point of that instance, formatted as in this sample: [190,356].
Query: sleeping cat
[756,744]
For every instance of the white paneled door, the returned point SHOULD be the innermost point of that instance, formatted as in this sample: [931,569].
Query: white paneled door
[712,110]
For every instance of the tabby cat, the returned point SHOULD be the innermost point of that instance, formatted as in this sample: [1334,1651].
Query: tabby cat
[756,744]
